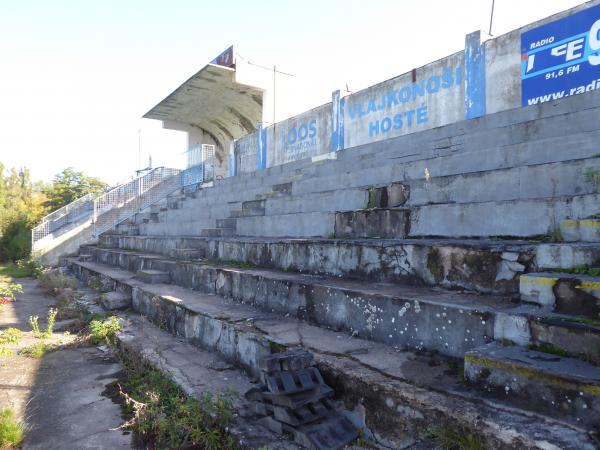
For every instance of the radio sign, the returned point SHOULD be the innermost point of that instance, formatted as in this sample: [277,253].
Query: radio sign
[561,58]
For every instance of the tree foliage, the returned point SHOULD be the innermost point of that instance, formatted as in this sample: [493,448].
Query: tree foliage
[69,185]
[23,203]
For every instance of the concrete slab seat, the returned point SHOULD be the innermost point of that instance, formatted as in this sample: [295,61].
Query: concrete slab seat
[402,394]
[549,383]
[481,265]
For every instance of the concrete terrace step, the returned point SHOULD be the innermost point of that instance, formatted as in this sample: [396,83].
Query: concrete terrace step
[487,266]
[401,394]
[567,293]
[587,230]
[196,372]
[552,384]
[446,321]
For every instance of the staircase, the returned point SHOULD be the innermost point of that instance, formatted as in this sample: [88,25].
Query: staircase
[442,279]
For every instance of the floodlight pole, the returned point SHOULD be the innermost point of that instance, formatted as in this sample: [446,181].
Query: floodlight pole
[491,18]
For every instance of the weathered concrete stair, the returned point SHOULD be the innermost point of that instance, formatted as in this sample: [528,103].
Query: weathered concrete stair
[550,383]
[486,266]
[587,230]
[403,393]
[567,293]
[398,315]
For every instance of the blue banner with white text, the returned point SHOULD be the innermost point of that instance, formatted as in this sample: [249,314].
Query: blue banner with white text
[561,58]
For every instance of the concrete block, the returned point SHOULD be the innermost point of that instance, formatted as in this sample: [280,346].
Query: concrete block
[563,292]
[115,300]
[567,256]
[153,276]
[545,382]
[587,230]
[373,223]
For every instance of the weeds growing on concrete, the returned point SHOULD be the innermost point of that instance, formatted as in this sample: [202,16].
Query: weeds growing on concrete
[10,336]
[546,348]
[12,430]
[163,416]
[103,330]
[451,438]
[589,271]
[36,350]
[35,326]
[8,292]
[54,281]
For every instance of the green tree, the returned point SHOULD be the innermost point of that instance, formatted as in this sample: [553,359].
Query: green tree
[69,185]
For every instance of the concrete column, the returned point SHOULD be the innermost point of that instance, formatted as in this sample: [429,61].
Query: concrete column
[232,160]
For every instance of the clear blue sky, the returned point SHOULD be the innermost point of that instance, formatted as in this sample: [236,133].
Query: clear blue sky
[76,76]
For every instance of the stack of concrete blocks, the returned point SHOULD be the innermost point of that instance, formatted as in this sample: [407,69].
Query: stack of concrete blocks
[295,400]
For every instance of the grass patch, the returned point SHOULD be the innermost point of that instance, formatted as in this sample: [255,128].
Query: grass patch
[54,281]
[163,416]
[10,336]
[546,348]
[12,430]
[36,350]
[35,327]
[449,438]
[582,320]
[14,271]
[240,264]
[103,330]
[590,271]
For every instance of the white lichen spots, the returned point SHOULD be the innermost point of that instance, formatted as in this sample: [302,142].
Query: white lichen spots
[437,315]
[390,336]
[389,402]
[444,314]
[460,311]
[401,331]
[393,319]
[580,393]
[444,327]
[417,307]
[468,331]
[449,321]
[403,310]
[437,329]
[483,322]
[506,389]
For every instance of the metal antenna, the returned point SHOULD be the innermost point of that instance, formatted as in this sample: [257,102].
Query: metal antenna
[491,18]
[275,72]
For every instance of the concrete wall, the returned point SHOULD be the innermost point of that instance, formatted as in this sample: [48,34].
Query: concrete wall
[299,137]
[485,78]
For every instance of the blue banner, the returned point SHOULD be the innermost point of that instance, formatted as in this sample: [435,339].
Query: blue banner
[561,58]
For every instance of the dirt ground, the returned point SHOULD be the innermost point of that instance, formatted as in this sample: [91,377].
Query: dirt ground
[59,395]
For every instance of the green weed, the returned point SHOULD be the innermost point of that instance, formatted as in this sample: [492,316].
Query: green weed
[36,350]
[103,330]
[8,292]
[10,336]
[12,430]
[163,416]
[547,348]
[450,438]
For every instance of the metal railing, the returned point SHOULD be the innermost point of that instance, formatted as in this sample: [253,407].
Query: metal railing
[72,212]
[125,200]
[105,211]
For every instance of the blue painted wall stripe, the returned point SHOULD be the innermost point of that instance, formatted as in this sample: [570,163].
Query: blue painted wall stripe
[474,76]
[261,157]
[337,121]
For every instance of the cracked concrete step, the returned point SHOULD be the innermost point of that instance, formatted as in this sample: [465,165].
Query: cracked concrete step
[394,314]
[566,293]
[382,223]
[487,266]
[217,232]
[153,276]
[197,372]
[548,383]
[587,230]
[401,394]
[446,321]
[115,300]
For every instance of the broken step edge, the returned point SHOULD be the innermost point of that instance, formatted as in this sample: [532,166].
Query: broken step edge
[399,408]
[556,385]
